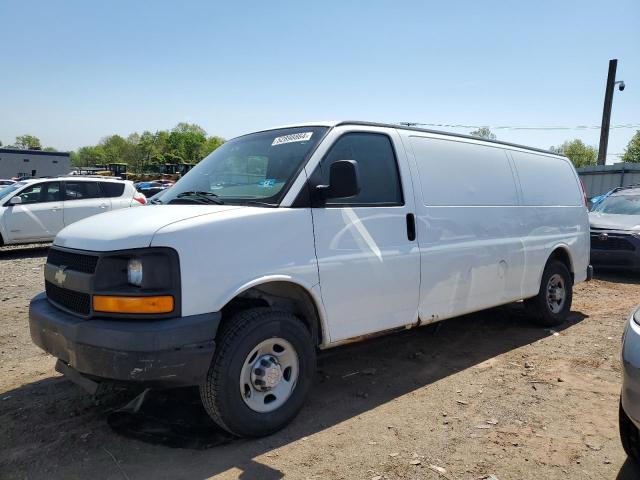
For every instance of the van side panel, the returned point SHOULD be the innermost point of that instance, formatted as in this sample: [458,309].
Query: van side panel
[454,173]
[468,226]
[489,217]
[546,181]
[553,215]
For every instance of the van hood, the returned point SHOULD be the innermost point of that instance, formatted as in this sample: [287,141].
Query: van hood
[129,227]
[614,222]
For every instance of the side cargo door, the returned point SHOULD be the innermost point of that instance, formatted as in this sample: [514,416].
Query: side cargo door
[368,256]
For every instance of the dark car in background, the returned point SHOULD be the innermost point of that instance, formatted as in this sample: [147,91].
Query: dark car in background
[615,230]
[149,189]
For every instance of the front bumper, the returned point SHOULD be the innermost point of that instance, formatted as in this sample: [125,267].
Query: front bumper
[619,250]
[630,396]
[158,353]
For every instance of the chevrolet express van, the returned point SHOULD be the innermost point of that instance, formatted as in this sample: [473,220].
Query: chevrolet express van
[290,240]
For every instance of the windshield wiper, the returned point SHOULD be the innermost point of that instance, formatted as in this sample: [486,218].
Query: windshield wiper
[262,204]
[201,197]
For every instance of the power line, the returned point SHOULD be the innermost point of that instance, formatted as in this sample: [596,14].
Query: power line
[516,127]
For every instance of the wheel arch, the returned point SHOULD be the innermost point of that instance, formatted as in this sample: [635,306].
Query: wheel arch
[563,254]
[283,293]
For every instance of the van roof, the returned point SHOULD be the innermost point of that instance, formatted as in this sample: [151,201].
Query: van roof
[419,129]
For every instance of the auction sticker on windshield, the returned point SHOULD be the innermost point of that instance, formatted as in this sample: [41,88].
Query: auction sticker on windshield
[294,137]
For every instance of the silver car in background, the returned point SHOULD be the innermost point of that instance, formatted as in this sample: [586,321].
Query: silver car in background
[630,395]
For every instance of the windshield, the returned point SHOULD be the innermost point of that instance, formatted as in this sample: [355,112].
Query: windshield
[620,205]
[7,190]
[254,168]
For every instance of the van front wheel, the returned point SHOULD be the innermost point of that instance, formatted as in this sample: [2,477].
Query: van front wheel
[552,305]
[261,372]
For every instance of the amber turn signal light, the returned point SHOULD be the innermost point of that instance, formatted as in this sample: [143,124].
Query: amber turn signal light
[113,304]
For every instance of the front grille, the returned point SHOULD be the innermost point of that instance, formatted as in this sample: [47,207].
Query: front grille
[611,243]
[73,261]
[611,262]
[75,301]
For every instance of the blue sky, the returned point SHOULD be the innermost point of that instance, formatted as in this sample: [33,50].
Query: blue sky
[75,71]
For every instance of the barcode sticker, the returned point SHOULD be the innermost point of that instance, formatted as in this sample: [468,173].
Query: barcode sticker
[294,137]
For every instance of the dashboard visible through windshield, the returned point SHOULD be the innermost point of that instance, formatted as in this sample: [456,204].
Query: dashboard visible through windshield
[252,169]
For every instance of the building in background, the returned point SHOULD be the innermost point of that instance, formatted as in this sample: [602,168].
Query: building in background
[32,163]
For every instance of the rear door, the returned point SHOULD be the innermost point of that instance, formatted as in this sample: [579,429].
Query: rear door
[114,194]
[83,199]
[38,217]
[369,264]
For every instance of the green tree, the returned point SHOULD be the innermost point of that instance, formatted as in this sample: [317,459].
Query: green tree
[88,156]
[484,132]
[581,155]
[632,152]
[143,152]
[185,142]
[27,142]
[210,144]
[116,149]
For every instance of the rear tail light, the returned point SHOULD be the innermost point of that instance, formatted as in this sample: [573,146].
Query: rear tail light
[140,198]
[584,194]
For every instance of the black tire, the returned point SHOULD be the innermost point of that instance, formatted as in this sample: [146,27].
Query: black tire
[538,307]
[220,394]
[629,435]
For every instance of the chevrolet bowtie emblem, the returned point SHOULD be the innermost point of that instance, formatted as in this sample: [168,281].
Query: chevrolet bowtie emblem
[60,276]
[603,236]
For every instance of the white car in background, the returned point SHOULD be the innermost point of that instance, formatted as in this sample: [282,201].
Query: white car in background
[36,210]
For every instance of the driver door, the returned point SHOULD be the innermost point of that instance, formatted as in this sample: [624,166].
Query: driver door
[368,255]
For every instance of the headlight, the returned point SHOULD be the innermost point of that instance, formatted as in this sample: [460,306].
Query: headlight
[134,272]
[143,281]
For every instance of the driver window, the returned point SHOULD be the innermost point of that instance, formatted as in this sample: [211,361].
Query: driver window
[40,193]
[31,194]
[377,169]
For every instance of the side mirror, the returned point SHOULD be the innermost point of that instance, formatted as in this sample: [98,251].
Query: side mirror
[15,200]
[343,180]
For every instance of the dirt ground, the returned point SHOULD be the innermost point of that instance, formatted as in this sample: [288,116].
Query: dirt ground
[480,395]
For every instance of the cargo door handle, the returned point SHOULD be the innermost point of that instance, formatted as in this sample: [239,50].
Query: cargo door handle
[411,227]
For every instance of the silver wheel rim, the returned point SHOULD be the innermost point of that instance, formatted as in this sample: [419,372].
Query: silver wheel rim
[269,375]
[556,293]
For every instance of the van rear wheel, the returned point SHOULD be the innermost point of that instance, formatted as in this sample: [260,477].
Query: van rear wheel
[260,374]
[552,305]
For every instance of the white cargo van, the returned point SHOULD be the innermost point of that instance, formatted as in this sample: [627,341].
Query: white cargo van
[286,241]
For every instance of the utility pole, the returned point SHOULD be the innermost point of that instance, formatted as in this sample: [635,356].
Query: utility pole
[606,111]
